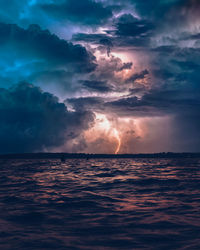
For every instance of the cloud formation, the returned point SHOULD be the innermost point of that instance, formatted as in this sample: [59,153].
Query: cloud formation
[84,12]
[125,59]
[33,121]
[38,44]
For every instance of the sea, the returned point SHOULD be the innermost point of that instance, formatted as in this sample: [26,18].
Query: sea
[99,204]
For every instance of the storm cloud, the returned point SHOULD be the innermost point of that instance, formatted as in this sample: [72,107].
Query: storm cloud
[127,59]
[40,44]
[84,12]
[42,58]
[28,118]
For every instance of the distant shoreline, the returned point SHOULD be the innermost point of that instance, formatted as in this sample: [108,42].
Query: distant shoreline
[95,156]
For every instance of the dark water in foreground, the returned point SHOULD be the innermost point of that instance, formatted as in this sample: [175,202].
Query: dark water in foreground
[100,204]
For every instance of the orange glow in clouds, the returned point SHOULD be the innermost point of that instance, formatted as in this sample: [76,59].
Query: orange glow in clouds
[105,132]
[112,134]
[107,126]
[125,135]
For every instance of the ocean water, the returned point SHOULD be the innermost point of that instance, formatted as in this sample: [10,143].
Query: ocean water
[100,204]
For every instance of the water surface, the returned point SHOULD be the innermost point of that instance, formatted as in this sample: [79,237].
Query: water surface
[100,204]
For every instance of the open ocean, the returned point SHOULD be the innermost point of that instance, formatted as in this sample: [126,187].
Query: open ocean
[100,204]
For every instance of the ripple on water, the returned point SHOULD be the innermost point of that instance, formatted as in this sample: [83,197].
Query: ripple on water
[100,204]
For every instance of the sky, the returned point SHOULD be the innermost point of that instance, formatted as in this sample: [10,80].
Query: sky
[100,76]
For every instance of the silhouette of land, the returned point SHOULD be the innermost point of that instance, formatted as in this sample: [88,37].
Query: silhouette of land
[64,156]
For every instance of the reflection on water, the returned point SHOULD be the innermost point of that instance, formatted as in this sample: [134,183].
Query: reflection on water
[100,204]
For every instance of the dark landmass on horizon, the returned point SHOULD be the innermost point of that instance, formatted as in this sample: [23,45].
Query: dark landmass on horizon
[95,156]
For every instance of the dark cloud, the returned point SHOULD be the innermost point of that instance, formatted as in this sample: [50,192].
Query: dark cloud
[40,44]
[91,38]
[128,25]
[117,40]
[176,66]
[99,86]
[195,36]
[84,12]
[127,31]
[85,103]
[106,42]
[137,76]
[37,56]
[32,120]
[159,102]
[169,17]
[156,9]
[126,66]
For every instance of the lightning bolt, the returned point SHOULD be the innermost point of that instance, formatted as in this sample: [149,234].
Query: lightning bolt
[116,134]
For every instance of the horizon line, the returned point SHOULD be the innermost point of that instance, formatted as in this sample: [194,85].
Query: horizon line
[62,155]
